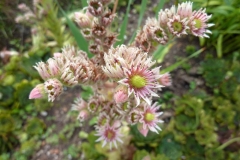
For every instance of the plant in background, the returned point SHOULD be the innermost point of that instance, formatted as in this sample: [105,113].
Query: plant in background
[122,77]
[48,31]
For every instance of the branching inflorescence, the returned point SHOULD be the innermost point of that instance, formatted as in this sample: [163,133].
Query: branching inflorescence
[123,77]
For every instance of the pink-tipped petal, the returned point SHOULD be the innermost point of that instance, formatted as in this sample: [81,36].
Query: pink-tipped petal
[37,92]
[143,131]
[120,96]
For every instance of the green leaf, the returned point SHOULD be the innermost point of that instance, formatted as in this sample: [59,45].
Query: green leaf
[170,148]
[161,52]
[140,154]
[219,46]
[22,92]
[6,122]
[177,64]
[84,3]
[159,6]
[81,42]
[123,27]
[142,11]
[87,92]
[35,126]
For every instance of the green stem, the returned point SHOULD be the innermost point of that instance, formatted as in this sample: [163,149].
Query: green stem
[228,143]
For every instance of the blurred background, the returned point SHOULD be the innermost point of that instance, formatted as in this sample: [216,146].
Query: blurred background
[201,108]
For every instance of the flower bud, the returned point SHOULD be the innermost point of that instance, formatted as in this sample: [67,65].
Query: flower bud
[37,92]
[121,94]
[143,131]
[165,79]
[83,115]
[95,7]
[57,55]
[82,20]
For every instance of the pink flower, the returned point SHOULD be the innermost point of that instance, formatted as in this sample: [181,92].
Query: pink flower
[165,79]
[142,82]
[83,115]
[184,9]
[79,104]
[103,119]
[178,26]
[198,23]
[124,57]
[37,92]
[54,88]
[165,15]
[121,95]
[149,119]
[109,134]
[133,116]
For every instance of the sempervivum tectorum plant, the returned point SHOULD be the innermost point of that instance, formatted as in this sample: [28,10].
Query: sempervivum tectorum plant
[198,23]
[123,78]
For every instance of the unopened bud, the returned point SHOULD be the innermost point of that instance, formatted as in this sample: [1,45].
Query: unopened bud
[82,20]
[37,92]
[165,79]
[121,95]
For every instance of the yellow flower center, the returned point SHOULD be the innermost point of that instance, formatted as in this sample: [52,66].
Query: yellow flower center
[110,134]
[159,33]
[138,81]
[149,117]
[103,122]
[177,26]
[198,23]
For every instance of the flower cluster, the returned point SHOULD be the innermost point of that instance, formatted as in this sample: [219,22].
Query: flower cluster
[173,22]
[29,16]
[123,77]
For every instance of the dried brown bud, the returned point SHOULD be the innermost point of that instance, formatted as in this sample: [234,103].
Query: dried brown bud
[98,31]
[94,48]
[108,41]
[95,7]
[141,41]
[107,18]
